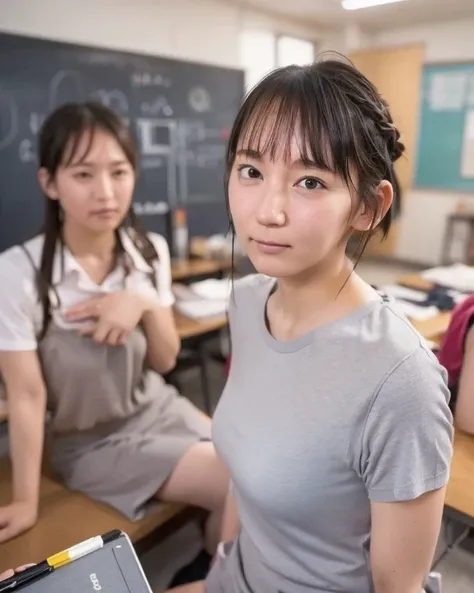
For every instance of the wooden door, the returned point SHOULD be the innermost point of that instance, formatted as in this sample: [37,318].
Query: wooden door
[396,72]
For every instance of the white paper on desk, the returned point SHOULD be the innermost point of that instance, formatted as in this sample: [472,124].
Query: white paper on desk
[416,312]
[401,292]
[201,309]
[458,276]
[212,289]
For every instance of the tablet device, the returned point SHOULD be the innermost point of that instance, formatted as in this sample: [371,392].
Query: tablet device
[112,568]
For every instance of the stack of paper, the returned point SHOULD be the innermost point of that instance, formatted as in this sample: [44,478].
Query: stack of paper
[200,300]
[459,277]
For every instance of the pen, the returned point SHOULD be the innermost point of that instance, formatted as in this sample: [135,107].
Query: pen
[57,561]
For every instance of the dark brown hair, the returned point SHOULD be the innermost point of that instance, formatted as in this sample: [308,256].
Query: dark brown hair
[58,145]
[344,124]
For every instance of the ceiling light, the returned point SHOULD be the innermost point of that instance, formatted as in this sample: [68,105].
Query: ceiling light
[356,4]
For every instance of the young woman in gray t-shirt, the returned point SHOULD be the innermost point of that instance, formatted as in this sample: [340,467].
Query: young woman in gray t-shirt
[334,422]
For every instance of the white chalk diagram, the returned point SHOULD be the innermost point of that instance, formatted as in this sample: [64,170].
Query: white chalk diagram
[26,151]
[68,82]
[199,99]
[156,107]
[151,148]
[8,119]
[113,99]
[36,121]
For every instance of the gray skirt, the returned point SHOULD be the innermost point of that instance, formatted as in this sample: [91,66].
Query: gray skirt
[125,465]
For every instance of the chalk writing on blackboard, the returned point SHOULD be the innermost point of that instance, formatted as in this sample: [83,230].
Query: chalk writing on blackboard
[26,151]
[65,86]
[8,119]
[36,121]
[147,79]
[112,98]
[150,208]
[199,99]
[158,106]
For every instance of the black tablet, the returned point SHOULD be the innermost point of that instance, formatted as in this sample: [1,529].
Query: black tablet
[112,568]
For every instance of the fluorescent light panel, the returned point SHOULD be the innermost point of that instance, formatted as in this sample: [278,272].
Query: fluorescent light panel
[356,4]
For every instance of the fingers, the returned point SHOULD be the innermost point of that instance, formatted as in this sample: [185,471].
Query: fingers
[86,310]
[116,337]
[7,574]
[24,567]
[103,333]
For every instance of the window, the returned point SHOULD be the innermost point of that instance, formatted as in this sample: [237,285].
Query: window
[291,50]
[257,54]
[261,51]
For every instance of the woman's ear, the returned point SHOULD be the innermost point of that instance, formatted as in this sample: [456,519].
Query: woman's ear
[366,219]
[47,184]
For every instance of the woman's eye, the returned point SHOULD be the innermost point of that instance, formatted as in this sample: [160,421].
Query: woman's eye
[119,173]
[83,175]
[310,183]
[248,172]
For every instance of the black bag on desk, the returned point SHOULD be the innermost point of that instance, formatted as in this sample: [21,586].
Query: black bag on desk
[113,568]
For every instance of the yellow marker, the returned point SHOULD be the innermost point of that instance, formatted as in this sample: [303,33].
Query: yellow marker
[78,551]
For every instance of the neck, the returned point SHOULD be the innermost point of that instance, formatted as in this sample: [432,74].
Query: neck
[82,242]
[330,284]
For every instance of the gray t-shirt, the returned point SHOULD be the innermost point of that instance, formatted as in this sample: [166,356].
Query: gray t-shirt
[314,429]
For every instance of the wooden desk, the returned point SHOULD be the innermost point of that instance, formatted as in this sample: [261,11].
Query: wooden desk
[198,267]
[460,492]
[416,282]
[435,328]
[190,328]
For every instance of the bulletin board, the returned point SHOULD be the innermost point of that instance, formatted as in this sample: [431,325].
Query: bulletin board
[445,155]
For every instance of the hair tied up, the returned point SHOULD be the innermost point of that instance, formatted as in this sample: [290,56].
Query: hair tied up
[395,147]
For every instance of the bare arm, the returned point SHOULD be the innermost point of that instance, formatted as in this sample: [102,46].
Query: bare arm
[464,414]
[162,337]
[403,542]
[26,404]
[230,519]
[26,393]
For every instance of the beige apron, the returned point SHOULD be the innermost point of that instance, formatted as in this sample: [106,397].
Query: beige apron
[118,430]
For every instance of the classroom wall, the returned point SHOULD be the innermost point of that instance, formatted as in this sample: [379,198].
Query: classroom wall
[198,30]
[423,224]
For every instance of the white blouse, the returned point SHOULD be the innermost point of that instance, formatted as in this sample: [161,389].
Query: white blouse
[20,308]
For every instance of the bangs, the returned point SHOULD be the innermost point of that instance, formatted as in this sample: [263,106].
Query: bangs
[72,155]
[292,104]
[67,136]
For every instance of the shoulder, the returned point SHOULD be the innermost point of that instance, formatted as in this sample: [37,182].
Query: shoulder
[254,286]
[386,334]
[418,379]
[14,261]
[160,244]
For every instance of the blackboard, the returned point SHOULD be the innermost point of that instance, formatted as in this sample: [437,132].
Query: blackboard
[445,155]
[180,113]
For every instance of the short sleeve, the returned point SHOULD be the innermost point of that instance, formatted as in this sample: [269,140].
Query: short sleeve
[163,270]
[407,439]
[17,306]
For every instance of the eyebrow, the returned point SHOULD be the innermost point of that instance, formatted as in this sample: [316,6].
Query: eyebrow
[301,162]
[89,164]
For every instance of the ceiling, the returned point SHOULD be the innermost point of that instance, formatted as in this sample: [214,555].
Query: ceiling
[330,12]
